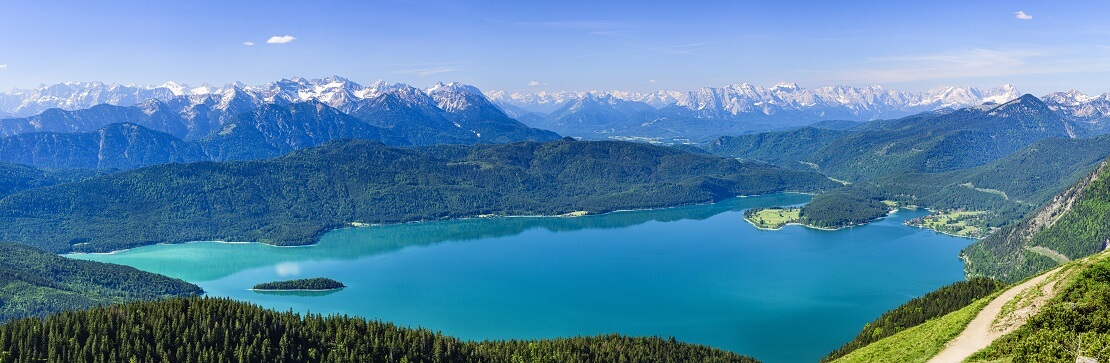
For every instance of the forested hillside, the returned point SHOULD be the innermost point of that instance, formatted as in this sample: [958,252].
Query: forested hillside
[1074,224]
[788,149]
[893,159]
[925,143]
[222,330]
[1009,187]
[293,199]
[14,178]
[36,283]
[115,146]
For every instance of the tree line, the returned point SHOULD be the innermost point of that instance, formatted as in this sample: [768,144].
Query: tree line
[223,330]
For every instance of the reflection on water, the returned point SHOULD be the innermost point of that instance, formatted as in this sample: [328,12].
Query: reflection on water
[292,293]
[286,269]
[698,273]
[207,261]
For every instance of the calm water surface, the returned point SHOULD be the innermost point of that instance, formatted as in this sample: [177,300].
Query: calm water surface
[698,273]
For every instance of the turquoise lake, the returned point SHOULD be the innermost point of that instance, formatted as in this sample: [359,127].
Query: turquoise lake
[698,273]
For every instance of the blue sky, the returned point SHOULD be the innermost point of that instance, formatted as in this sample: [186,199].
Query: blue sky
[563,45]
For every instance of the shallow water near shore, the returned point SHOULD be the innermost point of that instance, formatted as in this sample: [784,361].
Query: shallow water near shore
[698,273]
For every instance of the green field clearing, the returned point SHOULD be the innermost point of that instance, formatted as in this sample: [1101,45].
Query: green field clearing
[773,218]
[958,223]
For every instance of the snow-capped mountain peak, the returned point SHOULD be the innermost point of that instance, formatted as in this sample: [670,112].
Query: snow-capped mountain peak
[455,97]
[783,100]
[782,103]
[177,89]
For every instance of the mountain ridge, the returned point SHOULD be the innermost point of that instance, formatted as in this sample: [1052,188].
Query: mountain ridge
[729,109]
[466,116]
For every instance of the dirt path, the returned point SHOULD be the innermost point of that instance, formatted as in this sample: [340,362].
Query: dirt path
[988,326]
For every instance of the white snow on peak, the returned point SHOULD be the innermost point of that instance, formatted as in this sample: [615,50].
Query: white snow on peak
[846,102]
[177,89]
[455,97]
[782,99]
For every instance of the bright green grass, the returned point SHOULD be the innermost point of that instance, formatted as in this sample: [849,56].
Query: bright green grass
[919,343]
[959,223]
[774,218]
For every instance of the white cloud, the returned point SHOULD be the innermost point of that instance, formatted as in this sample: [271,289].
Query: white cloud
[651,80]
[2,66]
[280,39]
[1023,16]
[248,43]
[533,83]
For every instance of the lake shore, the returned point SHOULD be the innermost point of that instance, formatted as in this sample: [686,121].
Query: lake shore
[295,290]
[575,214]
[757,226]
[557,275]
[794,224]
[942,232]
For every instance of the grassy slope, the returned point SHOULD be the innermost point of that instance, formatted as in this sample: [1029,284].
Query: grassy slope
[931,306]
[919,343]
[1081,306]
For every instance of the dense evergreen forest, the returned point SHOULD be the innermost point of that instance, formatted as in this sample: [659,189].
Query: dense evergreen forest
[223,330]
[318,283]
[36,283]
[295,198]
[15,178]
[788,149]
[1079,314]
[843,207]
[919,310]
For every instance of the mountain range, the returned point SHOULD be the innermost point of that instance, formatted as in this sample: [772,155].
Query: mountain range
[843,102]
[699,115]
[743,108]
[242,123]
[463,114]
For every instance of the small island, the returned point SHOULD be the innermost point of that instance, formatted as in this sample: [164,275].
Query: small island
[313,284]
[829,211]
